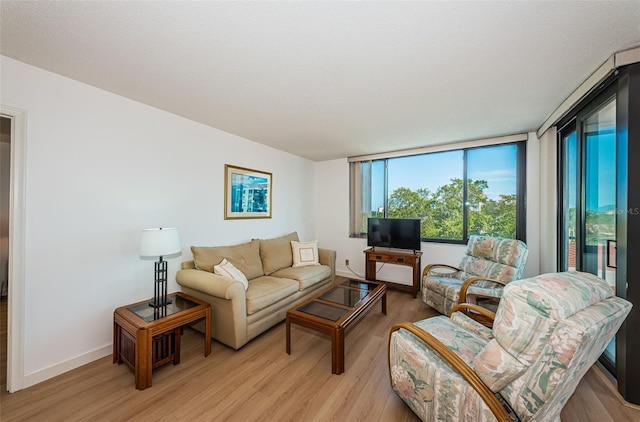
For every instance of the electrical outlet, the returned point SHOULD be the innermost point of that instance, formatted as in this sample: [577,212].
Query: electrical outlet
[346,262]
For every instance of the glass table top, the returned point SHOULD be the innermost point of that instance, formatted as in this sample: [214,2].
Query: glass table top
[349,293]
[148,313]
[344,296]
[359,284]
[323,310]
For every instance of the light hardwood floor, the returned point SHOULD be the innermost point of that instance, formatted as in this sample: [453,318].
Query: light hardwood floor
[260,382]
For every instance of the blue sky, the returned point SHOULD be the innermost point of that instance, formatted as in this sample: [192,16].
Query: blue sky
[601,170]
[496,165]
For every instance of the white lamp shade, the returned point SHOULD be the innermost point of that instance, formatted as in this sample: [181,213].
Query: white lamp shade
[159,242]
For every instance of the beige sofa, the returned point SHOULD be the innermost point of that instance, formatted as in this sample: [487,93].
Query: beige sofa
[274,285]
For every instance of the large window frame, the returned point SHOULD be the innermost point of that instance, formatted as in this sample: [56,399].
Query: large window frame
[361,187]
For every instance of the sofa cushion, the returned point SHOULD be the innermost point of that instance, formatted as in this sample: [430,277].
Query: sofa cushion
[265,291]
[245,257]
[305,276]
[304,253]
[276,253]
[227,269]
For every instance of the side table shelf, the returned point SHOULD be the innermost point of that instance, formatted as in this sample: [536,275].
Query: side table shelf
[395,257]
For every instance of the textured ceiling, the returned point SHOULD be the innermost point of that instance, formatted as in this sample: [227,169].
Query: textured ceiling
[325,80]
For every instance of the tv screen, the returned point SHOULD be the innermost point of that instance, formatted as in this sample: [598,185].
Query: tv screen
[399,233]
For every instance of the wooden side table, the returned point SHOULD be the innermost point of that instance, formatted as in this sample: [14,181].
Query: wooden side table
[145,338]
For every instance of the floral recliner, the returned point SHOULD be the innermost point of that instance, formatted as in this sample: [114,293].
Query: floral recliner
[548,331]
[486,258]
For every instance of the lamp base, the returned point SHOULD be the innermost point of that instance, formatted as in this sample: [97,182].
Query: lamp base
[156,303]
[160,285]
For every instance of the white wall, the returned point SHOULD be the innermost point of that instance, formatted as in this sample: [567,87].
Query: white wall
[548,201]
[99,169]
[332,222]
[534,221]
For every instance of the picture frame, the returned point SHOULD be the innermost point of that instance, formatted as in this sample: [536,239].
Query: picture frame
[247,193]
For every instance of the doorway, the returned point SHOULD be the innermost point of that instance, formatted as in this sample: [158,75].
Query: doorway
[5,184]
[15,379]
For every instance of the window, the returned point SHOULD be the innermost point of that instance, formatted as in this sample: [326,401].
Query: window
[435,187]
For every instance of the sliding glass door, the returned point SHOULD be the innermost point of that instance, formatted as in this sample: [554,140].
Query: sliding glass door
[599,139]
[588,195]
[599,206]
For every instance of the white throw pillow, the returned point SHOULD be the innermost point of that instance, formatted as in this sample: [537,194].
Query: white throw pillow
[304,253]
[227,269]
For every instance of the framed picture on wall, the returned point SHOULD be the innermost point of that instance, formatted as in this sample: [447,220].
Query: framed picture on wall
[247,193]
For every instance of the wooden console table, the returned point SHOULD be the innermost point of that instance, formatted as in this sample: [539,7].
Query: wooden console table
[395,257]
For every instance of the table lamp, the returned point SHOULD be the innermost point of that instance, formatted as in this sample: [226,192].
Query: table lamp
[159,243]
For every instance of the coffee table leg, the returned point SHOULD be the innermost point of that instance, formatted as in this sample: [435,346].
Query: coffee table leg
[384,303]
[337,351]
[207,332]
[116,343]
[177,334]
[288,335]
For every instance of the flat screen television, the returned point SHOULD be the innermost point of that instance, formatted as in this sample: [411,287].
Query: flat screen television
[399,233]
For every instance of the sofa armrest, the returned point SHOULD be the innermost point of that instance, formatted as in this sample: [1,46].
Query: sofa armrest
[188,265]
[211,284]
[227,298]
[328,257]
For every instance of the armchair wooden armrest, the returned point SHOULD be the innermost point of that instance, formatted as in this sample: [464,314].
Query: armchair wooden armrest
[468,282]
[430,266]
[464,307]
[475,312]
[458,365]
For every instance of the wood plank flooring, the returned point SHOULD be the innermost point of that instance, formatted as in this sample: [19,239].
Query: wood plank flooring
[260,382]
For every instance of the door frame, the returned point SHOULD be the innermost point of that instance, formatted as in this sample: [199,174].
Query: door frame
[17,234]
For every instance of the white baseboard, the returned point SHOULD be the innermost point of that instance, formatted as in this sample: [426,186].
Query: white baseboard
[348,274]
[66,366]
[352,276]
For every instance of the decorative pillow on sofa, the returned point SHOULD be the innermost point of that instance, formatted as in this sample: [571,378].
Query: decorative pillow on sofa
[276,253]
[305,253]
[227,269]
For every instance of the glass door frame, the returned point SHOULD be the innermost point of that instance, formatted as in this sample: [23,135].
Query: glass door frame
[563,197]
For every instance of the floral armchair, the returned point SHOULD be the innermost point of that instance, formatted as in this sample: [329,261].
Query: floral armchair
[548,331]
[488,264]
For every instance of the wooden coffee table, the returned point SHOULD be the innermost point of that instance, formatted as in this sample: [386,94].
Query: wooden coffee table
[145,338]
[335,311]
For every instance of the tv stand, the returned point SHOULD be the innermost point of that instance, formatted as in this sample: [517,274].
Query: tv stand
[395,257]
